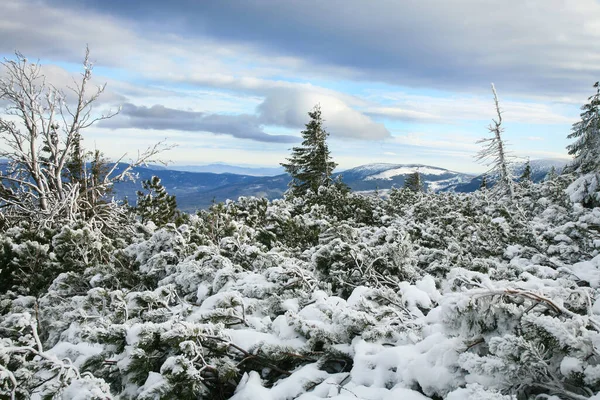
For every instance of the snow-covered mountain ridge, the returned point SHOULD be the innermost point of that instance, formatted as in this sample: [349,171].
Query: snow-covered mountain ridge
[389,174]
[382,176]
[539,170]
[196,190]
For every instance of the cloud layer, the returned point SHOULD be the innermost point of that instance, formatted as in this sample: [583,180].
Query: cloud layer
[159,117]
[540,46]
[544,47]
[286,108]
[380,70]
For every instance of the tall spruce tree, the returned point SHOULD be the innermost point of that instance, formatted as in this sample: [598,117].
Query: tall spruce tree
[414,182]
[586,132]
[310,164]
[97,191]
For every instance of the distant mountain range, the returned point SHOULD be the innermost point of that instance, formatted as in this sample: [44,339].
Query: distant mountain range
[387,176]
[196,190]
[220,168]
[539,171]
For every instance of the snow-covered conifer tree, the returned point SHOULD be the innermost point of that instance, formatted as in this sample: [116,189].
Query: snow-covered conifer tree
[156,205]
[526,175]
[586,132]
[551,174]
[310,164]
[414,182]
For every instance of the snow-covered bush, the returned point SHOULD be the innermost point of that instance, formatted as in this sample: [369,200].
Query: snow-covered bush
[454,296]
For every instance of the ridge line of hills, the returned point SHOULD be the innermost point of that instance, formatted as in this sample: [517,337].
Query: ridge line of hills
[195,190]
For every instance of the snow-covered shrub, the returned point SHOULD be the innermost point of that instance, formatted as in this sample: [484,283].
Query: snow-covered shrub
[347,257]
[441,296]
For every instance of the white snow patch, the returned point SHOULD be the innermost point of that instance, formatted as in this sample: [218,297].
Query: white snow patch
[86,388]
[77,353]
[570,365]
[290,305]
[389,174]
[154,381]
[251,388]
[588,271]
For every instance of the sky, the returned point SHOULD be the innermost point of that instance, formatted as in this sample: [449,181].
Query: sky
[397,81]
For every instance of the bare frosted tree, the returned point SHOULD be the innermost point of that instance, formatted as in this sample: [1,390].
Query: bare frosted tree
[40,139]
[494,153]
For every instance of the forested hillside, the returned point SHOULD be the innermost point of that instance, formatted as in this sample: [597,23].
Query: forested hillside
[323,294]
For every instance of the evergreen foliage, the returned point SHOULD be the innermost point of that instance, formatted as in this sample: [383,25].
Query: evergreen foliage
[156,204]
[255,296]
[322,294]
[75,167]
[413,182]
[551,174]
[585,148]
[526,175]
[484,182]
[310,164]
[586,151]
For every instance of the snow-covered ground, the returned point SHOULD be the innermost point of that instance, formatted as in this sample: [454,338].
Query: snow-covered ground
[417,296]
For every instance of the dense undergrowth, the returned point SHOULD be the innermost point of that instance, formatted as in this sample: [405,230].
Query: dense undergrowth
[330,295]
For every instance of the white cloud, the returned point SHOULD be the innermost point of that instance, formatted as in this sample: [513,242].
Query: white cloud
[448,142]
[290,107]
[532,47]
[456,108]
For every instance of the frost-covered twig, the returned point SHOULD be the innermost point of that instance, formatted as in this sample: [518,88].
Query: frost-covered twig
[559,389]
[249,355]
[12,379]
[48,176]
[540,299]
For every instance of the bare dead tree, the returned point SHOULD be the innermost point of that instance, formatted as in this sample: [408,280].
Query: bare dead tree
[41,132]
[494,152]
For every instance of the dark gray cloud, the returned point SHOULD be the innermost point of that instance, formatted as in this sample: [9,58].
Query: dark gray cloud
[159,117]
[539,46]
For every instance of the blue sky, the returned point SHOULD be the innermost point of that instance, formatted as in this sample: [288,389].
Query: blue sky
[400,82]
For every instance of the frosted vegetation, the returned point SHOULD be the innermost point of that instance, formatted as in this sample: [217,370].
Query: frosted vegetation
[323,294]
